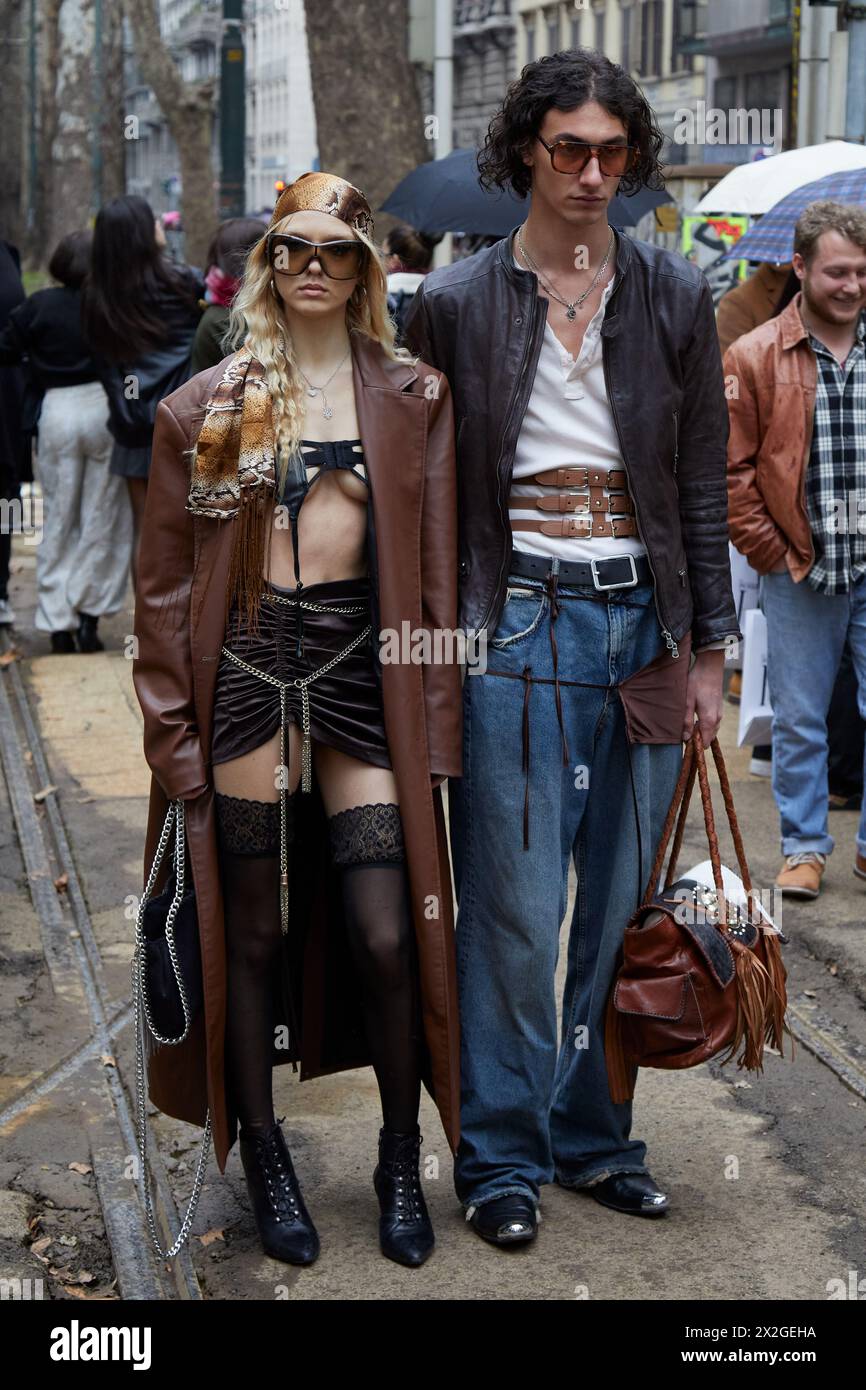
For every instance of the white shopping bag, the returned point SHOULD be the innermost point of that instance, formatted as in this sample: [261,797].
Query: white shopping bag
[756,713]
[735,892]
[744,582]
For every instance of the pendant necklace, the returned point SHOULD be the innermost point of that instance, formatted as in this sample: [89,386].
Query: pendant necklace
[314,390]
[572,307]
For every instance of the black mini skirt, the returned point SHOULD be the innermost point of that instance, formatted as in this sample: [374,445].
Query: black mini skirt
[345,703]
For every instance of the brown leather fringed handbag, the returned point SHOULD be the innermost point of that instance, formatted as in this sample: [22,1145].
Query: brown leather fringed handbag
[699,975]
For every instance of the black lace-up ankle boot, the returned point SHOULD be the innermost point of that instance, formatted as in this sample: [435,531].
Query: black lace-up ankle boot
[405,1232]
[285,1227]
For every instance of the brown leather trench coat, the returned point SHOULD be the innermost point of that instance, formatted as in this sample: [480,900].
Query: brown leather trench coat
[406,426]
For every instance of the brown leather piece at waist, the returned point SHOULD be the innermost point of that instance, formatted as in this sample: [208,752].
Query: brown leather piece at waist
[596,500]
[582,476]
[586,527]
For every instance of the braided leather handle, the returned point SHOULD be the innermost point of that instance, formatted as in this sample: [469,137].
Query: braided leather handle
[694,764]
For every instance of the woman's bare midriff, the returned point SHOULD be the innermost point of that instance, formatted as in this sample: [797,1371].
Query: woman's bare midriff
[332,531]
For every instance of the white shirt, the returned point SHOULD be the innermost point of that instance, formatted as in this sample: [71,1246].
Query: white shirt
[568,423]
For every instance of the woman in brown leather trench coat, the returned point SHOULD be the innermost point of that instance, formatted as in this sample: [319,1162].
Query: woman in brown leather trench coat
[340,840]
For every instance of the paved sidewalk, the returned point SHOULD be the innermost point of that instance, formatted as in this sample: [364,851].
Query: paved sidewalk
[788,1223]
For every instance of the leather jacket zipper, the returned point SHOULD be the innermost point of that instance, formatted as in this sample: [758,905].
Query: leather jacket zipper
[676,440]
[665,630]
[536,308]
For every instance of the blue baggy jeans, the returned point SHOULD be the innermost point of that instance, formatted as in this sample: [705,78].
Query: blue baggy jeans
[535,1106]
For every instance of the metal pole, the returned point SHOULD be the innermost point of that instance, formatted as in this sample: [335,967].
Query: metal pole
[443,100]
[232,117]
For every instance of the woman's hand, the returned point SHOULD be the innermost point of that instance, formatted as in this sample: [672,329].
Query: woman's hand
[704,695]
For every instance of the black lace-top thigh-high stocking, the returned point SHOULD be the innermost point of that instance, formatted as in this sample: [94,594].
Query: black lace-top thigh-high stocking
[367,847]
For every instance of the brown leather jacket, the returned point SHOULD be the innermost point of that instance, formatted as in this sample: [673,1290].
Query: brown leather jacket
[772,379]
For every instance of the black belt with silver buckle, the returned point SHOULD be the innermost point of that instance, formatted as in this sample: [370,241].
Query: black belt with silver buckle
[616,572]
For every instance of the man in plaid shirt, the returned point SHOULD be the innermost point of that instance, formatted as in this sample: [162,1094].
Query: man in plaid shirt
[797,511]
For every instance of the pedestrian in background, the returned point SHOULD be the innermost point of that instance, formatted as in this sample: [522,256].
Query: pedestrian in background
[408,258]
[796,472]
[140,314]
[749,304]
[226,258]
[82,560]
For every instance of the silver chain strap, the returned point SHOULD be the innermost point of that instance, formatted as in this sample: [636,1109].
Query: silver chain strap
[315,607]
[143,1017]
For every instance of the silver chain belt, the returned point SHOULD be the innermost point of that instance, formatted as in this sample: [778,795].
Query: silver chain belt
[299,683]
[315,607]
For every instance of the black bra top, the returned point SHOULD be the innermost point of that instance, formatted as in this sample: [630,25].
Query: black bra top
[320,456]
[313,458]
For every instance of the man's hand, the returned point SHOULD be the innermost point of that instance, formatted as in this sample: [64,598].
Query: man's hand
[704,696]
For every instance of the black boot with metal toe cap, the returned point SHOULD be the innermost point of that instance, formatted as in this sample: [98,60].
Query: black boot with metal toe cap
[636,1194]
[509,1220]
[405,1231]
[285,1227]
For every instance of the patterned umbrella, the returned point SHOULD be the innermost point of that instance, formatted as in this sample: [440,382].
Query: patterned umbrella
[772,239]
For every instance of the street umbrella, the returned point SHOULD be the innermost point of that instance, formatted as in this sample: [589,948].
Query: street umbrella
[758,186]
[444,195]
[773,237]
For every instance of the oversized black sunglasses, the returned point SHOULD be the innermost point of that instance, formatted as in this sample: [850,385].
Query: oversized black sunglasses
[572,156]
[340,260]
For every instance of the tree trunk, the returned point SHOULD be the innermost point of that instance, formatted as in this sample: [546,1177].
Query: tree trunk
[368,111]
[188,108]
[14,54]
[111,134]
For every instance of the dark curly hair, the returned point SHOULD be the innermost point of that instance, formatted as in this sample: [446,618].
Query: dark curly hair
[563,81]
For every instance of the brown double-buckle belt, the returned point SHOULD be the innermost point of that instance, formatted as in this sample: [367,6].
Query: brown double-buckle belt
[599,512]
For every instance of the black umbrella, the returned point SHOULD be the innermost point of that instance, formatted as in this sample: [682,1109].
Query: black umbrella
[444,195]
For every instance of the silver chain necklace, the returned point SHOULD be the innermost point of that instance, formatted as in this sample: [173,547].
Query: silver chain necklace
[571,307]
[314,390]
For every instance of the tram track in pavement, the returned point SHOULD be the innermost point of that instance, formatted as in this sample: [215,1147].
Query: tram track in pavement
[74,964]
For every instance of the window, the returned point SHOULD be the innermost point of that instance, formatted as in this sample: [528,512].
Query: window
[553,32]
[530,40]
[575,32]
[651,34]
[725,93]
[683,28]
[600,16]
[625,59]
[762,90]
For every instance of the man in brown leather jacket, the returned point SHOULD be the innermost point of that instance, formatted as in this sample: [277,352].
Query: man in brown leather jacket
[797,496]
[591,429]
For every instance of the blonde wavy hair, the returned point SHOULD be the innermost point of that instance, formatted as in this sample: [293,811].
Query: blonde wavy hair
[257,322]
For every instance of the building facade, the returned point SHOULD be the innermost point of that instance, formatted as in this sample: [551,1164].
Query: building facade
[485,49]
[281,123]
[643,36]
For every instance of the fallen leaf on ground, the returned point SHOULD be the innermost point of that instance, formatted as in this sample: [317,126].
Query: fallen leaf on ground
[80,1167]
[210,1236]
[44,791]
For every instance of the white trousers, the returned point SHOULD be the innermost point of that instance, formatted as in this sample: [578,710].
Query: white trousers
[82,559]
